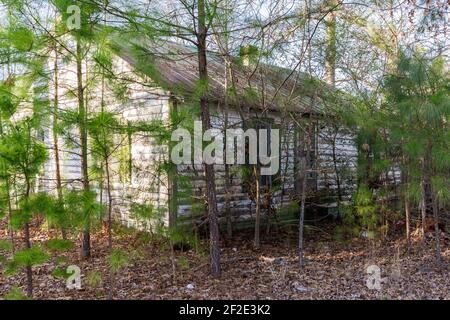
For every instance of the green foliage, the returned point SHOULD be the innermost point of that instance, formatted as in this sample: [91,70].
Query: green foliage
[440,186]
[61,273]
[93,279]
[183,235]
[292,209]
[366,209]
[7,105]
[83,208]
[21,38]
[2,260]
[183,263]
[23,153]
[144,238]
[251,95]
[350,225]
[30,257]
[145,212]
[15,294]
[5,245]
[57,215]
[125,161]
[60,260]
[418,107]
[198,208]
[101,127]
[90,15]
[201,88]
[44,204]
[103,59]
[59,245]
[409,130]
[118,260]
[149,216]
[250,53]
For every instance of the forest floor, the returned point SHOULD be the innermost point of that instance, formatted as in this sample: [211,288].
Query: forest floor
[334,270]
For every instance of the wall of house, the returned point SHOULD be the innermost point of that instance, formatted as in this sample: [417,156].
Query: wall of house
[241,204]
[145,185]
[333,150]
[337,160]
[143,103]
[337,156]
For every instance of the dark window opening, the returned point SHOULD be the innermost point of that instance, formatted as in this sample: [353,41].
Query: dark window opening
[265,181]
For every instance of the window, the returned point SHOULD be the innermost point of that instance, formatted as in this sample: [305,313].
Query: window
[266,181]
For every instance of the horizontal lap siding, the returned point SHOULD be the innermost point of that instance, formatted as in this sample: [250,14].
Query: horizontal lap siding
[240,203]
[142,104]
[345,156]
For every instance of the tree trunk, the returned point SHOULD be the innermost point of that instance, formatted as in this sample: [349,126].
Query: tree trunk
[227,167]
[10,227]
[110,239]
[407,203]
[336,169]
[27,239]
[108,186]
[227,202]
[408,219]
[228,79]
[28,268]
[304,179]
[423,211]
[55,135]
[437,232]
[7,185]
[86,242]
[172,173]
[424,184]
[257,243]
[330,52]
[206,123]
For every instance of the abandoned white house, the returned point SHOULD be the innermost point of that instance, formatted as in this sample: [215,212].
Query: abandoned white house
[160,80]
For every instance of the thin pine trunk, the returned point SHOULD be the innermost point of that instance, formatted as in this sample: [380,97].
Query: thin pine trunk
[55,136]
[27,239]
[206,122]
[330,54]
[228,78]
[258,208]
[11,230]
[301,225]
[437,231]
[424,185]
[407,205]
[108,187]
[86,235]
[227,167]
[29,270]
[408,219]
[336,169]
[7,185]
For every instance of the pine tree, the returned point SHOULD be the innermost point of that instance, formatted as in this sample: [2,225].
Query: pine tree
[25,155]
[418,108]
